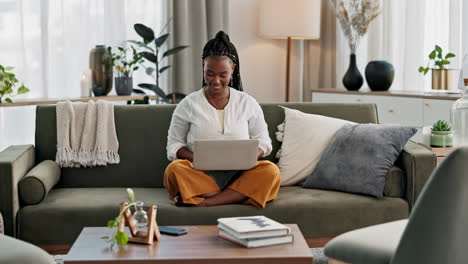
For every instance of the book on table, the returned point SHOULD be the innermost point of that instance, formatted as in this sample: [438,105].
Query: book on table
[254,231]
[256,242]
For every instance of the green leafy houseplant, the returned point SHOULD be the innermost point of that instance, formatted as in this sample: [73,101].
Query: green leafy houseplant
[8,83]
[438,59]
[151,50]
[120,237]
[123,64]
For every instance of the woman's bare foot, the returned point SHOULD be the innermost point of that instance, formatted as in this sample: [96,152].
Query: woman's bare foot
[210,194]
[179,202]
[227,196]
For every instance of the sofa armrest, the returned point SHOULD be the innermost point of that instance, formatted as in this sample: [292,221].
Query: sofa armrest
[418,162]
[15,162]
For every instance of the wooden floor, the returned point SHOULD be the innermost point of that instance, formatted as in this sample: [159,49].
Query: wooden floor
[64,248]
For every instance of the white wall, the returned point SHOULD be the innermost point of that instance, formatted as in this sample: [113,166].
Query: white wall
[263,61]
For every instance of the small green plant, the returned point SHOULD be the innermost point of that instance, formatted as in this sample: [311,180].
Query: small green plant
[123,64]
[441,125]
[120,237]
[8,83]
[438,59]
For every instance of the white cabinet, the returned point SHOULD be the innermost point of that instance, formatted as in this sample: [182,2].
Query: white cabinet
[436,110]
[398,110]
[410,111]
[337,98]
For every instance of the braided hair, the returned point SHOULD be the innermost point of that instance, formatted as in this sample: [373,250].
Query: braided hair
[222,46]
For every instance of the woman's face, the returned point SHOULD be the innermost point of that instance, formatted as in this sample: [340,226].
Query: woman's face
[217,72]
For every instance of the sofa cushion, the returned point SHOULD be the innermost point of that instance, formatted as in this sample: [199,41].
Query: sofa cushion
[305,139]
[59,218]
[359,157]
[34,187]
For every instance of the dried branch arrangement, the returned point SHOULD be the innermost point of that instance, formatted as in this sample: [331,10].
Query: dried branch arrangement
[354,17]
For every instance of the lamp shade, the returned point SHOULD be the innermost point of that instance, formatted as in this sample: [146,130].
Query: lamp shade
[298,19]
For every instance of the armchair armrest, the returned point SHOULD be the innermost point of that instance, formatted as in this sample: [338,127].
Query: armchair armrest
[418,162]
[15,162]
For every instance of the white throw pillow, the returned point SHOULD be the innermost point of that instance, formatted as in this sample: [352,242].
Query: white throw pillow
[306,137]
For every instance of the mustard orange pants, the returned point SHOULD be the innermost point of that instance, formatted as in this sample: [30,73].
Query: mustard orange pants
[260,184]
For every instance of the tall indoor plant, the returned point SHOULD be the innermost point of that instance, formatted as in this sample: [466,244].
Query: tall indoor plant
[8,83]
[151,47]
[354,17]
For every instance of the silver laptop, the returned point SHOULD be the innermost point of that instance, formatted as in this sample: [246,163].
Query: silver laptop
[225,154]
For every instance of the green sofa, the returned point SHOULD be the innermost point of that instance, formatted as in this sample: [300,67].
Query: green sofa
[91,196]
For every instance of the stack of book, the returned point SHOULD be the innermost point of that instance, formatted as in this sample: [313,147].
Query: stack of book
[254,231]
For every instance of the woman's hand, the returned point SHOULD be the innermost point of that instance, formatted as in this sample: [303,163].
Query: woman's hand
[260,153]
[184,153]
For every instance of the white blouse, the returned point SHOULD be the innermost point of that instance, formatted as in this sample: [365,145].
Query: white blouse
[195,118]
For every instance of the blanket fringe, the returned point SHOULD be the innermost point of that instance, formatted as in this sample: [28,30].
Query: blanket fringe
[67,157]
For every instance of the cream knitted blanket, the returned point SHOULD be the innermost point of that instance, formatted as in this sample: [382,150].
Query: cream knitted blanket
[86,134]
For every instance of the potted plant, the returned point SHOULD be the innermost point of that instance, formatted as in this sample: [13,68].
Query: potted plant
[441,135]
[441,76]
[124,65]
[8,83]
[151,50]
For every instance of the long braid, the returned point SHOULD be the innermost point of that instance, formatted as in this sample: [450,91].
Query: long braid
[222,46]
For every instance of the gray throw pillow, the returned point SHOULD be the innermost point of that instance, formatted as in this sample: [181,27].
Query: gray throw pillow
[359,157]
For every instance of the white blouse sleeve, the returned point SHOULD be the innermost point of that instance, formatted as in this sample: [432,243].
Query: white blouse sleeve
[178,130]
[258,129]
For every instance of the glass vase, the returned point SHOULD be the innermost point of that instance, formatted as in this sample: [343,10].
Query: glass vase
[140,218]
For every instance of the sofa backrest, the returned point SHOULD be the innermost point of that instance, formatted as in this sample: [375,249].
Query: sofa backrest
[142,134]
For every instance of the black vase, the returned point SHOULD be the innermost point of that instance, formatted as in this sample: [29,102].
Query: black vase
[352,79]
[379,75]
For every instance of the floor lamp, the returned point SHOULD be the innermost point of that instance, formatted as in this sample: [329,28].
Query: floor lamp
[291,19]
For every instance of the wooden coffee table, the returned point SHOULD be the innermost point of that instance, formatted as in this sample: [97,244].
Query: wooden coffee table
[200,246]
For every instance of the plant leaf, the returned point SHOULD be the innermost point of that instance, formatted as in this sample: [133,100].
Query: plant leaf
[421,69]
[445,62]
[145,32]
[173,50]
[141,44]
[154,88]
[8,100]
[105,237]
[449,55]
[164,68]
[111,223]
[438,48]
[149,56]
[9,68]
[121,238]
[22,89]
[432,55]
[160,41]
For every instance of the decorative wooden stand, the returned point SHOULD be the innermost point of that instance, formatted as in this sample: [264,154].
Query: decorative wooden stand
[140,236]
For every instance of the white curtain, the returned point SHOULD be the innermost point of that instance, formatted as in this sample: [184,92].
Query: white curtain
[404,34]
[48,43]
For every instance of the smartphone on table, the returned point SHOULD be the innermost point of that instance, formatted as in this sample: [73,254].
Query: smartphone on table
[172,231]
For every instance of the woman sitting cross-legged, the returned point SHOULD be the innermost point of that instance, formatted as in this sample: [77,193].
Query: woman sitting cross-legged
[219,110]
